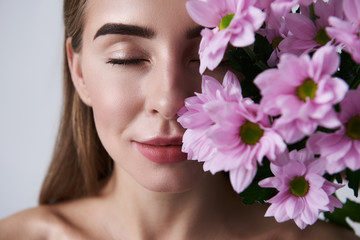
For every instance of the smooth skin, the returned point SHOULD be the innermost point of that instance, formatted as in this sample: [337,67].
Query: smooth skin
[136,85]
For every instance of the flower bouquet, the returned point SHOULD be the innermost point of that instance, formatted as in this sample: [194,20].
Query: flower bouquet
[285,123]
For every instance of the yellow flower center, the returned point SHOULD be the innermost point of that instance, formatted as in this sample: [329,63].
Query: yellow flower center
[225,21]
[306,90]
[250,133]
[321,37]
[353,128]
[276,42]
[299,186]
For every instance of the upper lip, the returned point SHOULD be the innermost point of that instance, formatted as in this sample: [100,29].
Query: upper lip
[163,141]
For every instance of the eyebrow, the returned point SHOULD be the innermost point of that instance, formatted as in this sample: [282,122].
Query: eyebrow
[124,29]
[133,30]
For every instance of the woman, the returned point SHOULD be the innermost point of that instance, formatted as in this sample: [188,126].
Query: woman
[118,171]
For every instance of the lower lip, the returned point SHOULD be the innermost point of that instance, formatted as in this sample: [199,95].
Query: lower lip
[161,154]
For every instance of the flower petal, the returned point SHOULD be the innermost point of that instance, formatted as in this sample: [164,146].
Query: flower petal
[325,61]
[203,13]
[241,178]
[294,206]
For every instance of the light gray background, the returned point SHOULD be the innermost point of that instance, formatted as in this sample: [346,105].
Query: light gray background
[30,97]
[31,36]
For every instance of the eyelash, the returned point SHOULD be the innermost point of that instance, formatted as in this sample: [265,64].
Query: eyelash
[131,61]
[136,61]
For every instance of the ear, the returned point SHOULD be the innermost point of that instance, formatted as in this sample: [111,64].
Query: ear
[74,62]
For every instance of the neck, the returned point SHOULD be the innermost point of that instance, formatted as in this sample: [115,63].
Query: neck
[164,215]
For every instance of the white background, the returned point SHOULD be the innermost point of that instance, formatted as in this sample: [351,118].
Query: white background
[31,36]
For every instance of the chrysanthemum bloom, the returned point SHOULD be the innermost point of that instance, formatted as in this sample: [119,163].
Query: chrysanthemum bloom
[303,192]
[347,31]
[342,148]
[302,91]
[307,34]
[227,132]
[197,121]
[242,136]
[233,21]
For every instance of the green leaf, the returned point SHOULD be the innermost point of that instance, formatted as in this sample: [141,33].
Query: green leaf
[312,14]
[255,193]
[349,70]
[350,209]
[326,130]
[354,181]
[333,177]
[262,48]
[298,145]
[242,63]
[250,61]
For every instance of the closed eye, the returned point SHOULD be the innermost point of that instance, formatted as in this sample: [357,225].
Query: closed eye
[195,60]
[130,61]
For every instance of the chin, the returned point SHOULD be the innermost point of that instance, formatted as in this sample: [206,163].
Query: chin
[173,178]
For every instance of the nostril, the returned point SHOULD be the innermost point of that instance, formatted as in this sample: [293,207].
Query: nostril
[165,103]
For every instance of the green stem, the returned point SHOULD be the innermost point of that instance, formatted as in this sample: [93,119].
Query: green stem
[250,53]
[260,64]
[356,81]
[313,16]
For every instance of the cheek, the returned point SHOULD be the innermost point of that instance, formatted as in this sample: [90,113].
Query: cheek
[113,109]
[115,101]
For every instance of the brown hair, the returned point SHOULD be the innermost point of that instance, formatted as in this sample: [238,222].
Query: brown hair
[80,165]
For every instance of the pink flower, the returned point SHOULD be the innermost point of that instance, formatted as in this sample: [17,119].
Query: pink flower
[302,91]
[303,192]
[347,31]
[231,21]
[197,121]
[227,132]
[342,148]
[305,34]
[242,136]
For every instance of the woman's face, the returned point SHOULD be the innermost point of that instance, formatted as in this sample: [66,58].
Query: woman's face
[139,61]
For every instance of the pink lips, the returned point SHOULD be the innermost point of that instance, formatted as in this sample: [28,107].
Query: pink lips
[162,150]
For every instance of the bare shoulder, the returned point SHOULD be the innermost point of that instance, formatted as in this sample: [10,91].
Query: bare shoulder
[320,230]
[267,228]
[323,230]
[36,223]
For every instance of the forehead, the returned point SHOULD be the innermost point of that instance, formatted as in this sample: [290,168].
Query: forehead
[162,16]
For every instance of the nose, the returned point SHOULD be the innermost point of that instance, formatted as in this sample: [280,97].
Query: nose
[168,85]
